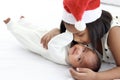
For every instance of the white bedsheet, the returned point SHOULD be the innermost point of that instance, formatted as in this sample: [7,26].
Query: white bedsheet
[17,63]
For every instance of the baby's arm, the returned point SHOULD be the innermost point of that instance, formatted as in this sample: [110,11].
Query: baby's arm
[48,36]
[58,45]
[27,36]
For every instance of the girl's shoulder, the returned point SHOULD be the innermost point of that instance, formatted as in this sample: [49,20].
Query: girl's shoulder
[115,28]
[114,34]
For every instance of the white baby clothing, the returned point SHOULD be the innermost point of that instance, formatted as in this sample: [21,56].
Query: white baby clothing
[30,35]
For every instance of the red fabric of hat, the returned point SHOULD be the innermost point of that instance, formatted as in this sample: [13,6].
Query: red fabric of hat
[80,8]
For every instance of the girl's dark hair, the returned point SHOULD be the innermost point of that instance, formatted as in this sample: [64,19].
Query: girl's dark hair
[96,29]
[99,28]
[62,27]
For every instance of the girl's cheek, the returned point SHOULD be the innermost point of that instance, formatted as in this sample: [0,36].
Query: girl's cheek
[76,38]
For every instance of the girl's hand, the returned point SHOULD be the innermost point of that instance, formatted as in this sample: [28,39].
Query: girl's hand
[47,37]
[83,74]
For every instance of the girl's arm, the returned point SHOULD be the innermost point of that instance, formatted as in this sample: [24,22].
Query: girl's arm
[114,45]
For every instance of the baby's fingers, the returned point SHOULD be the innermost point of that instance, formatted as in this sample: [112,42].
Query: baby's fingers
[45,41]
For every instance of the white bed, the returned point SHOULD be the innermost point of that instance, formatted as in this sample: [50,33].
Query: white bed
[17,63]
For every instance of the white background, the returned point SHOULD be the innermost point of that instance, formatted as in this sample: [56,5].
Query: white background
[113,2]
[44,12]
[17,63]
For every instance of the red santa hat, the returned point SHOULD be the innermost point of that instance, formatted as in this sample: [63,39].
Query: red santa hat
[80,12]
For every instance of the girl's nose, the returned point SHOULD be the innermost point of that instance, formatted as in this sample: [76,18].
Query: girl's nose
[76,38]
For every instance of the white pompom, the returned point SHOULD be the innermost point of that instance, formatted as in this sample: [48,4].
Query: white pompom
[80,25]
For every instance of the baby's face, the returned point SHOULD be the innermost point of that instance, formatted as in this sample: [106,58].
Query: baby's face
[79,55]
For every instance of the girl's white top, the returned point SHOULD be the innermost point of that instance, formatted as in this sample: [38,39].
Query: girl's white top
[107,55]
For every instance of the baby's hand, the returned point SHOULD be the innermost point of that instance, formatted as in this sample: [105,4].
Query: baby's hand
[48,36]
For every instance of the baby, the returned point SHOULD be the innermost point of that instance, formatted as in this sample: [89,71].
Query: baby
[58,47]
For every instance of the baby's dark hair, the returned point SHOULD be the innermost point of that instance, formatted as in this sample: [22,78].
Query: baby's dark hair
[94,64]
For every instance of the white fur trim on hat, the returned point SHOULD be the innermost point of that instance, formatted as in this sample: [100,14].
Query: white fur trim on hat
[80,25]
[68,17]
[88,17]
[91,15]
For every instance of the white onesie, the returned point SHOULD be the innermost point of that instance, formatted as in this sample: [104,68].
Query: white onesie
[30,36]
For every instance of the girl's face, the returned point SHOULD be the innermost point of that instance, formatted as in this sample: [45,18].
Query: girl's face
[79,36]
[79,55]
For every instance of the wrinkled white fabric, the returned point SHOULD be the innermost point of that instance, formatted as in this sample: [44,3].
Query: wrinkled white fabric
[30,35]
[58,45]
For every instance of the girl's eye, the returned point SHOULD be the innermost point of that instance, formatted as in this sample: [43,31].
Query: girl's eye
[79,59]
[82,34]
